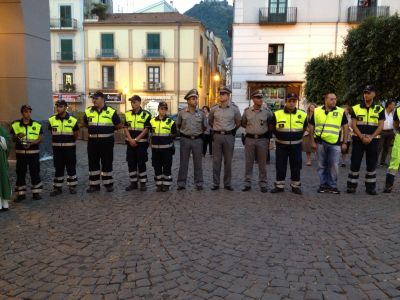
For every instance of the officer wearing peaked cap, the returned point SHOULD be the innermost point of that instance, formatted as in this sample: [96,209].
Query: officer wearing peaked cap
[191,124]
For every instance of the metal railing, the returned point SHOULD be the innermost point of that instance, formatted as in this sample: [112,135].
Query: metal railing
[67,88]
[107,85]
[153,86]
[152,54]
[66,56]
[357,14]
[281,15]
[63,23]
[107,53]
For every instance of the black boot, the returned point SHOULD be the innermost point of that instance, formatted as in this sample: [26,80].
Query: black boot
[93,188]
[389,183]
[55,192]
[132,186]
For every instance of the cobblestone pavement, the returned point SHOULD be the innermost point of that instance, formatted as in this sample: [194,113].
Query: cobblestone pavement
[201,245]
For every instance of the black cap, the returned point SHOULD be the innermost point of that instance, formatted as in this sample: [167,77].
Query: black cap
[98,94]
[25,106]
[257,93]
[225,89]
[369,88]
[291,96]
[191,93]
[61,103]
[163,104]
[135,98]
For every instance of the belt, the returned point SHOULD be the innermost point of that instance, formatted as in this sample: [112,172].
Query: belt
[223,132]
[192,137]
[101,135]
[63,144]
[256,136]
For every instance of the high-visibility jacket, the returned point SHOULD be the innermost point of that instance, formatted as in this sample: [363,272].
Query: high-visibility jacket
[367,118]
[136,123]
[31,133]
[289,126]
[328,124]
[161,134]
[62,131]
[100,123]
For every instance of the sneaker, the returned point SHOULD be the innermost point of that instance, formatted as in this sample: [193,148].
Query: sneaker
[334,191]
[297,191]
[131,187]
[55,192]
[277,190]
[93,188]
[322,189]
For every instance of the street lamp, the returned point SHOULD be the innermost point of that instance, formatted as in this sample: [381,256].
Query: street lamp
[216,79]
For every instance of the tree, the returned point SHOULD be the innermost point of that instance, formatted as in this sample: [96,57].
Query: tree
[324,75]
[100,10]
[372,56]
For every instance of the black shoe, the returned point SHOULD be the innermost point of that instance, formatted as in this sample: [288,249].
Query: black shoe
[297,191]
[180,188]
[334,191]
[228,188]
[72,191]
[277,190]
[388,190]
[20,198]
[109,189]
[351,190]
[264,189]
[143,187]
[215,187]
[246,189]
[199,188]
[371,192]
[36,196]
[56,192]
[93,188]
[159,188]
[165,188]
[322,189]
[131,187]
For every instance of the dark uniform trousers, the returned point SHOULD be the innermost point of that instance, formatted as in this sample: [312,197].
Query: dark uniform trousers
[162,163]
[137,158]
[293,153]
[25,161]
[357,153]
[100,151]
[65,158]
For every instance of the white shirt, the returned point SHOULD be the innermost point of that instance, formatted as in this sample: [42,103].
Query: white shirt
[388,125]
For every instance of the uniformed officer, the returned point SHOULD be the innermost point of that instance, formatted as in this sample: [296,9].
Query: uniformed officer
[101,121]
[367,122]
[395,156]
[191,124]
[225,119]
[64,130]
[137,125]
[288,125]
[163,131]
[329,121]
[255,121]
[27,134]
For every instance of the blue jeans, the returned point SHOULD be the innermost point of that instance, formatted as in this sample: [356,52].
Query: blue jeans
[328,164]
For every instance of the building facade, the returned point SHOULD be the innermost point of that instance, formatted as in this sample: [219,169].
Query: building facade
[159,56]
[274,39]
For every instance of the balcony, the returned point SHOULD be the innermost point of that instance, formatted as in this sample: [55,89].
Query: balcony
[153,54]
[107,85]
[280,16]
[66,57]
[67,88]
[63,24]
[107,54]
[357,14]
[153,86]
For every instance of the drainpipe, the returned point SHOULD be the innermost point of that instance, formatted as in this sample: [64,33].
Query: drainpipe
[337,25]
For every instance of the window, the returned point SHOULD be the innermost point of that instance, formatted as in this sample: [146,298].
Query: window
[153,44]
[66,50]
[275,59]
[107,45]
[201,45]
[108,77]
[367,3]
[153,78]
[65,16]
[277,6]
[68,82]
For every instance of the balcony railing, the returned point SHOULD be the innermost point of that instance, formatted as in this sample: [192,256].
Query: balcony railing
[278,16]
[357,14]
[65,24]
[66,57]
[153,86]
[107,53]
[107,85]
[67,88]
[153,54]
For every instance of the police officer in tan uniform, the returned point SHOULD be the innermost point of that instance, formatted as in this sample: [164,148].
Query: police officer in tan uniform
[255,122]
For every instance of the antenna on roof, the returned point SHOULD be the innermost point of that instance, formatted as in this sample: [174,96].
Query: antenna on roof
[172,3]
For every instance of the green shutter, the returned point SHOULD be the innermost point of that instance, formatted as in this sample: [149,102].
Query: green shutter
[107,44]
[66,49]
[153,41]
[65,16]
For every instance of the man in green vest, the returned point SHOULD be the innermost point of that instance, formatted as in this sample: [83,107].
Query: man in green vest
[27,135]
[325,127]
[288,125]
[101,120]
[137,126]
[395,157]
[64,131]
[367,120]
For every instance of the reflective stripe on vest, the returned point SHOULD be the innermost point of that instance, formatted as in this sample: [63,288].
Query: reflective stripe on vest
[367,118]
[136,123]
[289,127]
[100,124]
[327,126]
[161,133]
[31,133]
[62,131]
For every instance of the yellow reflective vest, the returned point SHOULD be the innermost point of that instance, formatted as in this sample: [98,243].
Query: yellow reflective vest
[136,123]
[367,118]
[289,127]
[31,133]
[62,131]
[328,124]
[100,124]
[161,133]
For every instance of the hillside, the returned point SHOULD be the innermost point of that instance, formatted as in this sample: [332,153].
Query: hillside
[217,16]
